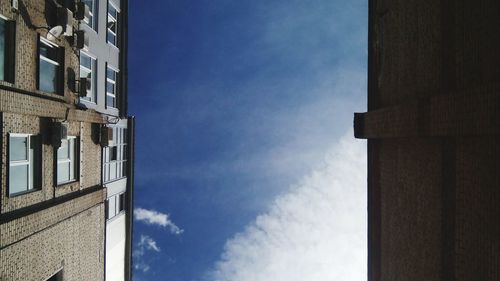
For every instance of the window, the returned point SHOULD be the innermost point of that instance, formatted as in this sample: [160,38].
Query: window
[115,205]
[49,71]
[7,49]
[24,163]
[67,161]
[115,156]
[91,18]
[112,24]
[110,87]
[88,69]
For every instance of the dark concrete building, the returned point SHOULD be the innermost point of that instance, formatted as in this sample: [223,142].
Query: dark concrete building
[433,125]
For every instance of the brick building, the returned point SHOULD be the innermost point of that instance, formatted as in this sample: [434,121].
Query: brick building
[66,141]
[433,125]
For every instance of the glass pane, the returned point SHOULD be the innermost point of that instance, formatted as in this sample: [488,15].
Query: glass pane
[124,168]
[63,151]
[112,11]
[18,179]
[111,207]
[112,171]
[110,87]
[111,38]
[89,4]
[85,61]
[110,101]
[18,148]
[2,48]
[63,172]
[48,76]
[111,74]
[48,51]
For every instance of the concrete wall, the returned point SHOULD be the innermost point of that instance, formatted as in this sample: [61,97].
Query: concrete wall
[433,130]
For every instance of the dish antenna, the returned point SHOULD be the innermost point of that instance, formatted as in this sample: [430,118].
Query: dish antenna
[55,33]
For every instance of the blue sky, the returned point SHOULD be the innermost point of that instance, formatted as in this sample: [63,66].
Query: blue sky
[243,141]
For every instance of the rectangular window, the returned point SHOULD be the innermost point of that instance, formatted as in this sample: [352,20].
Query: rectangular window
[111,207]
[111,87]
[112,24]
[49,71]
[24,163]
[115,156]
[91,18]
[88,69]
[115,205]
[7,49]
[121,206]
[67,161]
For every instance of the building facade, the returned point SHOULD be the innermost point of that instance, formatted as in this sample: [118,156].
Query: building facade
[66,141]
[433,130]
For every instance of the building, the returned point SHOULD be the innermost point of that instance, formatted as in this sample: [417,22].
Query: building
[433,125]
[66,141]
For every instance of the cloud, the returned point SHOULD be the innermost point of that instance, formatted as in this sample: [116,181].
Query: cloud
[316,231]
[156,218]
[149,243]
[146,243]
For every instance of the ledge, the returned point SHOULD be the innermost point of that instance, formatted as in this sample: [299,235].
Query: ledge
[469,114]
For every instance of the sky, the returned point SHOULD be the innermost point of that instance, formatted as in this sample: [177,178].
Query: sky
[246,165]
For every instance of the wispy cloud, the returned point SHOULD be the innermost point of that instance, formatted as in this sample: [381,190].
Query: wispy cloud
[314,232]
[156,218]
[146,243]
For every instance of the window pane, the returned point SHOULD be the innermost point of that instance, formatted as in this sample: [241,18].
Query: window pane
[18,179]
[112,171]
[111,38]
[18,148]
[48,76]
[48,51]
[63,151]
[63,172]
[110,87]
[111,207]
[112,11]
[111,74]
[85,61]
[2,49]
[110,101]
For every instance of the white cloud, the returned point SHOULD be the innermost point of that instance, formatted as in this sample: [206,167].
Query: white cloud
[146,243]
[315,232]
[149,243]
[156,218]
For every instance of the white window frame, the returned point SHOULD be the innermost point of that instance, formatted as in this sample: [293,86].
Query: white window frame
[94,22]
[42,57]
[112,19]
[118,165]
[29,162]
[113,95]
[72,160]
[93,74]
[111,214]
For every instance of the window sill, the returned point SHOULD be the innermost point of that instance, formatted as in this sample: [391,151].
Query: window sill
[113,46]
[13,195]
[88,101]
[114,180]
[37,93]
[66,183]
[115,217]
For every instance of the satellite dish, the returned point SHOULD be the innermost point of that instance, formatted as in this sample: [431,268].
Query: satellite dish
[54,33]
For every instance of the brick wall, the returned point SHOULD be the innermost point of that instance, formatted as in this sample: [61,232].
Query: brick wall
[48,231]
[74,244]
